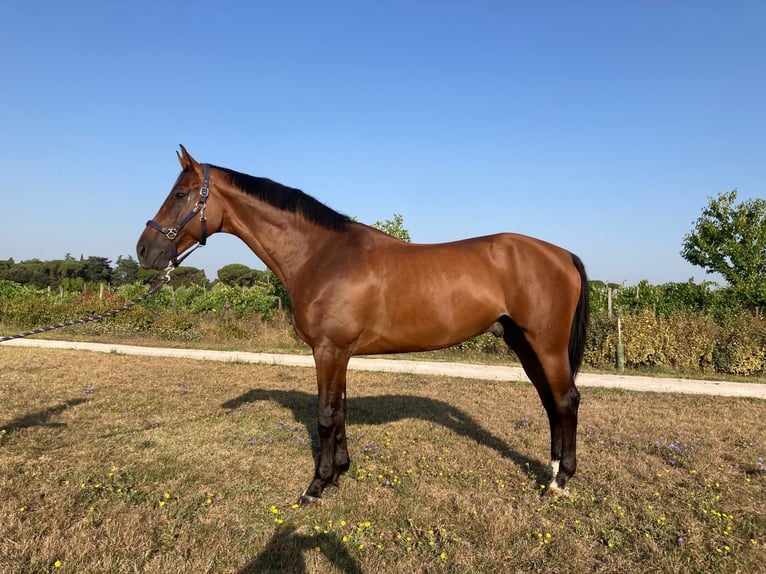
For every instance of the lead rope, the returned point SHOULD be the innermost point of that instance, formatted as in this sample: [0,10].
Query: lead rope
[153,289]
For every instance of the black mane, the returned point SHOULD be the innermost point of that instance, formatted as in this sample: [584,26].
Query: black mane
[288,199]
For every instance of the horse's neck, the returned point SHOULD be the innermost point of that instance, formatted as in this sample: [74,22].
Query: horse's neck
[284,241]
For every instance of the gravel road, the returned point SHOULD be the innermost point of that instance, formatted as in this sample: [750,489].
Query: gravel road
[469,371]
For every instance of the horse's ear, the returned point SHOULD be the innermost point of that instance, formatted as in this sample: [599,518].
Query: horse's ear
[186,160]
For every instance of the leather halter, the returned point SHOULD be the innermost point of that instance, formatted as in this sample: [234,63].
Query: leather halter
[172,232]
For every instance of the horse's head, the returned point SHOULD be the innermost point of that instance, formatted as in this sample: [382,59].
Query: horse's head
[181,221]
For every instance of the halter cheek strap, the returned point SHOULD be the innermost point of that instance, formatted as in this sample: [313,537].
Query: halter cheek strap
[172,232]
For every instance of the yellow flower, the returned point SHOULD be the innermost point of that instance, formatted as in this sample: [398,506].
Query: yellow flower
[57,564]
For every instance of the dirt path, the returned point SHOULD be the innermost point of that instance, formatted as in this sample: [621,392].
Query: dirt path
[469,371]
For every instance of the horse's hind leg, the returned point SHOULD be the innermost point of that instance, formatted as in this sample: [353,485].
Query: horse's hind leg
[564,403]
[551,375]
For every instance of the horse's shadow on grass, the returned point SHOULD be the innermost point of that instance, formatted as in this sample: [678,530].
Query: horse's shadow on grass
[383,409]
[285,553]
[40,418]
[286,549]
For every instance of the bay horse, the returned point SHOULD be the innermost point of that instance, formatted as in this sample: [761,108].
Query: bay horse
[355,290]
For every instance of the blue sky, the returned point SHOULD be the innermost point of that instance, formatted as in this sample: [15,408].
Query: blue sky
[600,126]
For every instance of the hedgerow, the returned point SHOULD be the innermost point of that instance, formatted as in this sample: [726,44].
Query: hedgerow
[686,328]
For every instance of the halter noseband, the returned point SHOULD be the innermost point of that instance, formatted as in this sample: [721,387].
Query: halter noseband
[172,232]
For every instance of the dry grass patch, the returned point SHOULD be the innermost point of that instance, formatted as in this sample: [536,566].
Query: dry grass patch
[111,463]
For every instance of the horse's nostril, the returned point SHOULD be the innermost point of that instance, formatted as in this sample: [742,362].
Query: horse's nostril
[141,249]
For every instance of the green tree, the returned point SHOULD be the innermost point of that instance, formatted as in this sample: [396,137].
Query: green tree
[70,268]
[149,276]
[275,287]
[730,239]
[125,271]
[394,227]
[237,274]
[186,275]
[96,269]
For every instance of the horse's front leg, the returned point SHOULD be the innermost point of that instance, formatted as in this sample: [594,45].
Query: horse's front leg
[333,459]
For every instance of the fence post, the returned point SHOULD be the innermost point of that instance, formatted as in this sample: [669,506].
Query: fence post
[620,349]
[609,301]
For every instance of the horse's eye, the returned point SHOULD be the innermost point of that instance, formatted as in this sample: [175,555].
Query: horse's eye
[180,195]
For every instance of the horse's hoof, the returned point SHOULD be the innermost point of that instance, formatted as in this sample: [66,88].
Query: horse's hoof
[308,500]
[555,490]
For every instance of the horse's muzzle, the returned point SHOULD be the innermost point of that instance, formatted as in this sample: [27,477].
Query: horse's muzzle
[152,253]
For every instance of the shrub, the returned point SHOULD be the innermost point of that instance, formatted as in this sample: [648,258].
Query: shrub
[740,348]
[683,341]
[178,327]
[601,344]
[484,344]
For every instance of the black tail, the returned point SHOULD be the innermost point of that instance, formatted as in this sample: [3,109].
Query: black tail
[580,322]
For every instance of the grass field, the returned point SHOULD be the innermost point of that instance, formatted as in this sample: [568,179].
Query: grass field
[111,463]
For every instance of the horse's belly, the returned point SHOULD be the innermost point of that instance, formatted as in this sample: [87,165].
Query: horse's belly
[426,325]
